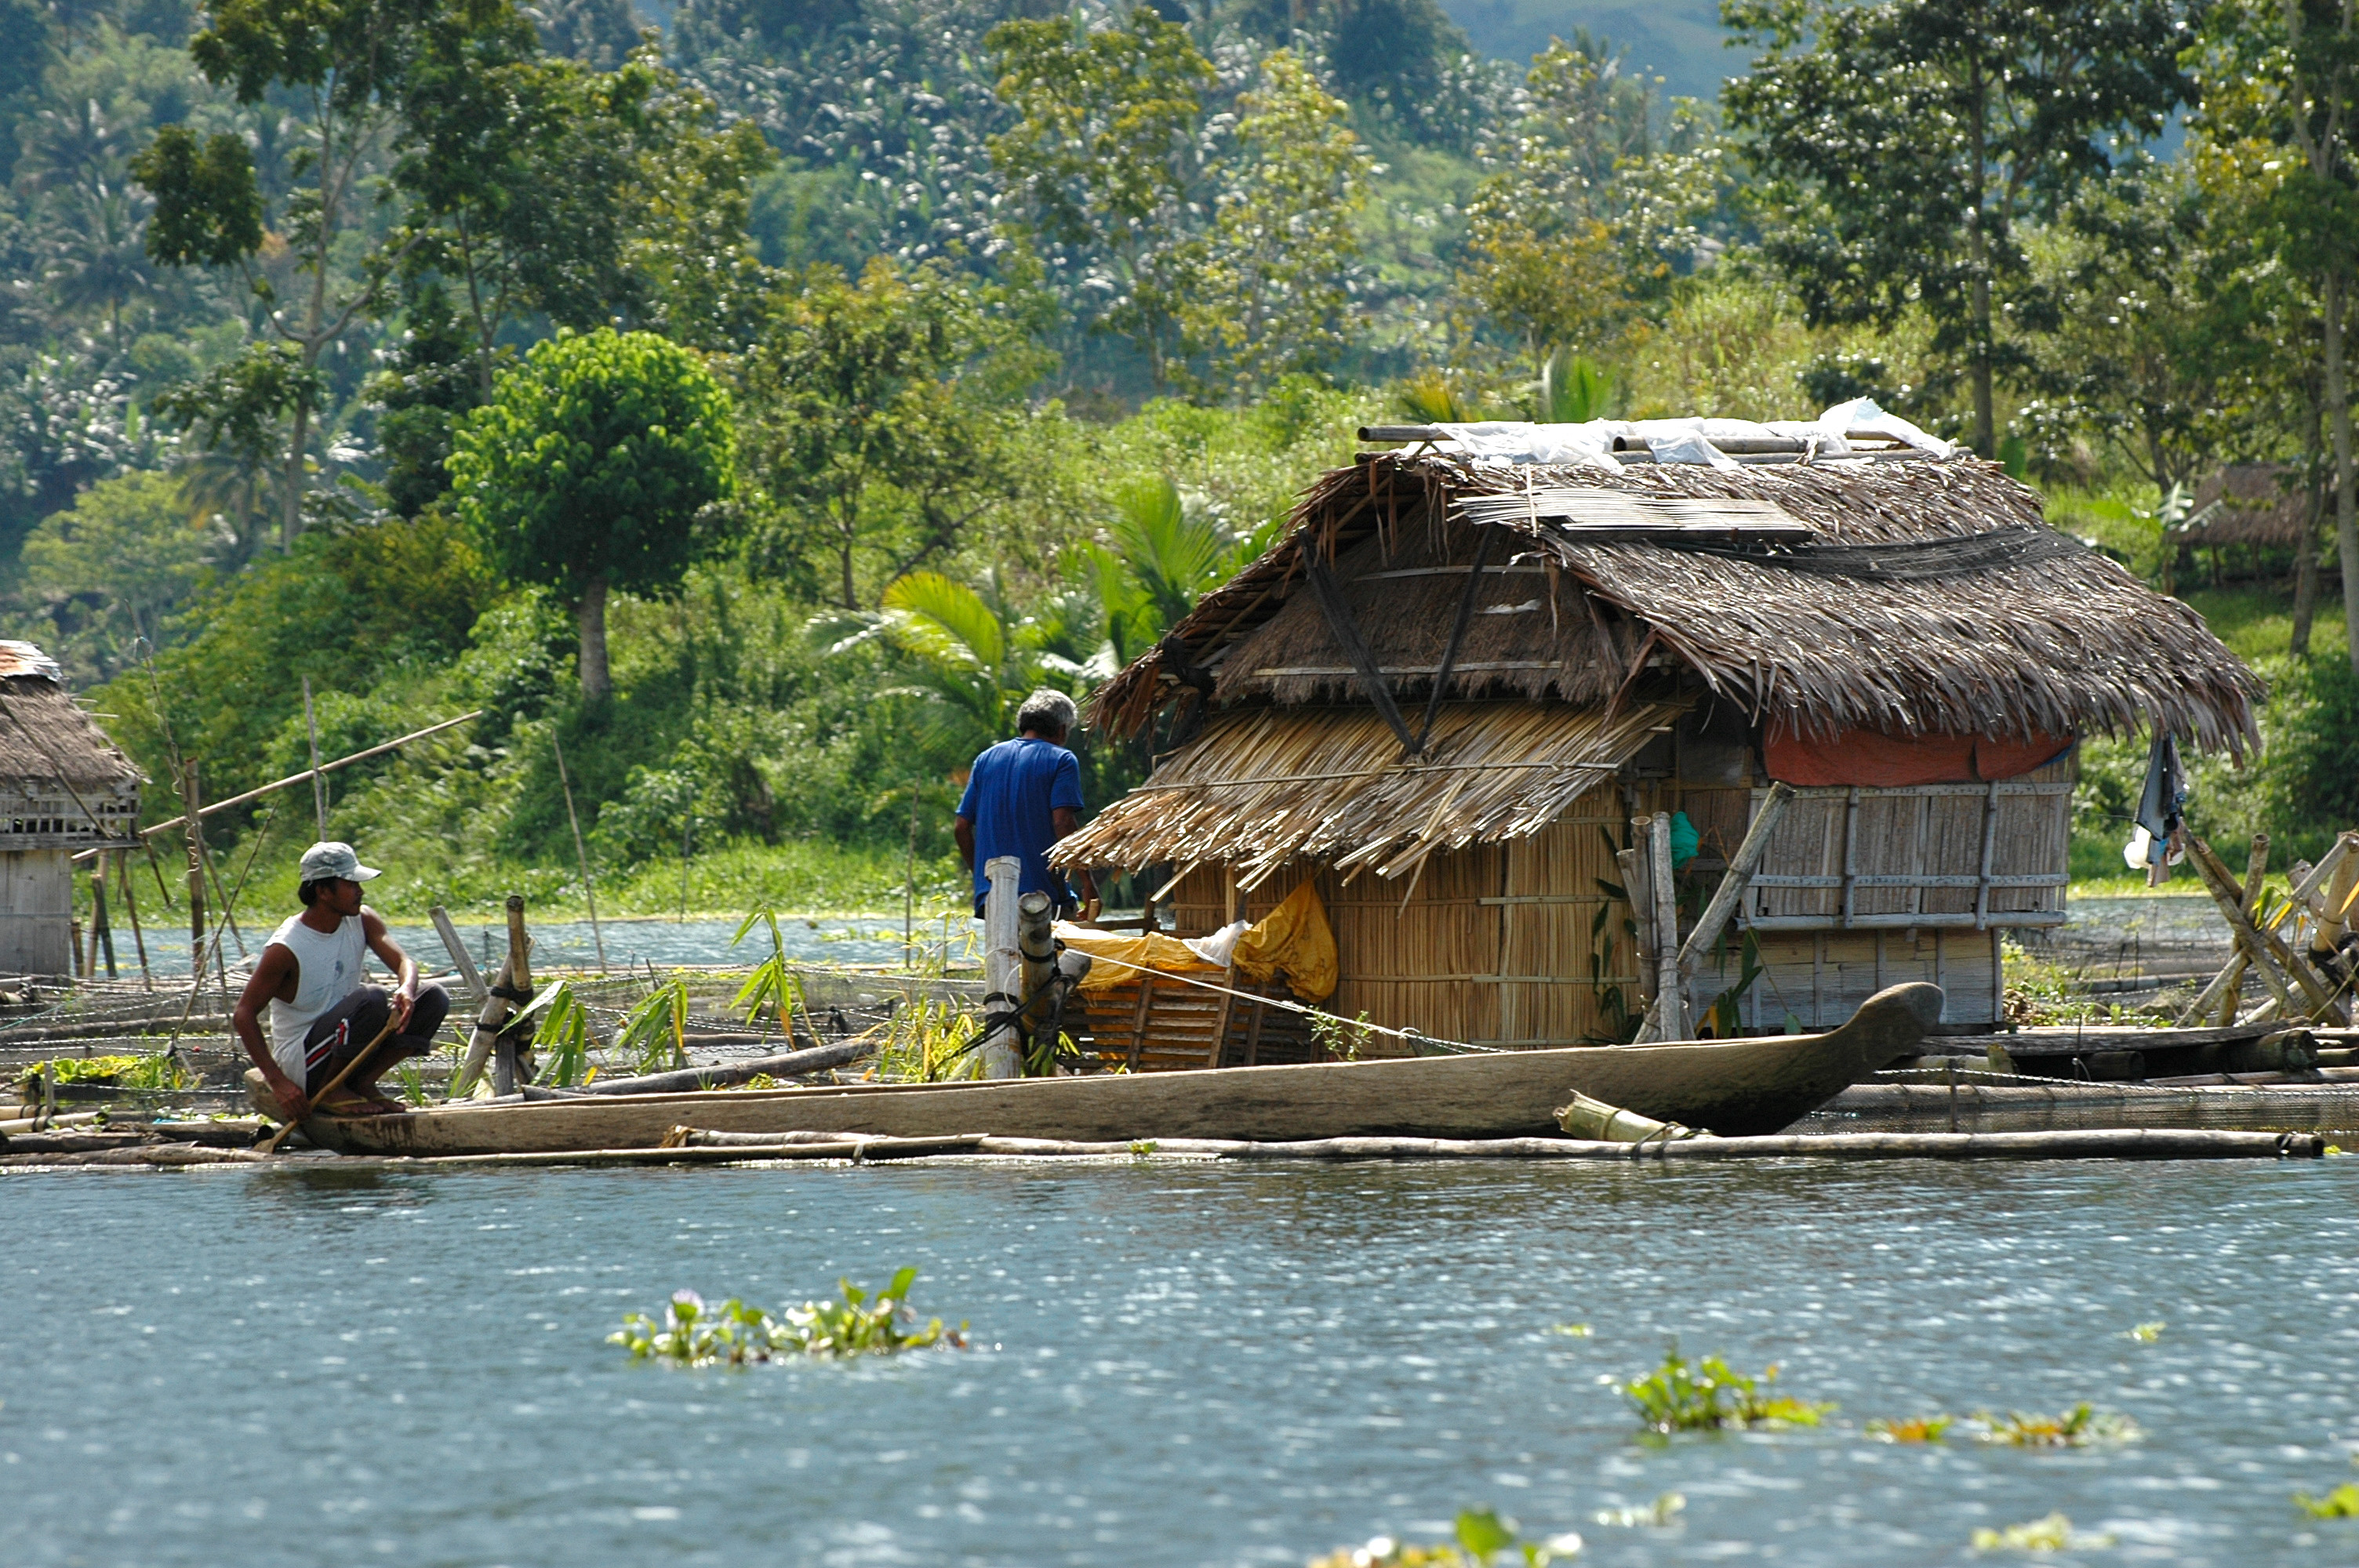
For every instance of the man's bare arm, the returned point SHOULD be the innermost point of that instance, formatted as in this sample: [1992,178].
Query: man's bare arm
[391,953]
[277,968]
[962,829]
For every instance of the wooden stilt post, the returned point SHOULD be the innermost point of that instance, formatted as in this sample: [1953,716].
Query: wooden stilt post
[515,973]
[1002,964]
[192,802]
[520,965]
[1671,994]
[101,935]
[131,908]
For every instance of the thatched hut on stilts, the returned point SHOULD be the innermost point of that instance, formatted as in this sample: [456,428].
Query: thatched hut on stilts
[64,787]
[1445,694]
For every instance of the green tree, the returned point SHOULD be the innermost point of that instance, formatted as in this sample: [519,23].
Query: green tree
[332,73]
[1273,292]
[589,468]
[110,568]
[2279,115]
[399,594]
[1161,555]
[1542,230]
[2157,329]
[543,191]
[970,662]
[1911,141]
[884,417]
[1107,156]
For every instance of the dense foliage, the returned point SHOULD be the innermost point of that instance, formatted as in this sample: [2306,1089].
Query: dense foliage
[759,408]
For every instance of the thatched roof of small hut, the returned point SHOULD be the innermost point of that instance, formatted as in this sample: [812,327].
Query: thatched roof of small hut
[44,737]
[1921,633]
[2251,503]
[1910,597]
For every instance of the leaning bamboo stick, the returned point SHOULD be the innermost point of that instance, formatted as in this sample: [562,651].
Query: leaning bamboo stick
[212,807]
[2275,960]
[1733,884]
[2344,848]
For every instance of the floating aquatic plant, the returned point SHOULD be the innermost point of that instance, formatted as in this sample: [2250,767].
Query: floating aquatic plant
[654,1035]
[1570,1330]
[2146,1332]
[563,1037]
[1912,1429]
[1710,1395]
[1660,1514]
[693,1334]
[2054,1533]
[2341,1503]
[1482,1536]
[773,985]
[2076,1428]
[147,1071]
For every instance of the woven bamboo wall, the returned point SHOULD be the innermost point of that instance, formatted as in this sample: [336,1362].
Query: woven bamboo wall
[1492,945]
[1500,945]
[36,912]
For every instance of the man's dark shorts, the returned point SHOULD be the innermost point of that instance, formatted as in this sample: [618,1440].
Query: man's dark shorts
[338,1034]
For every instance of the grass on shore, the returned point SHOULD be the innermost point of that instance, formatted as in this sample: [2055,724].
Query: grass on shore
[802,877]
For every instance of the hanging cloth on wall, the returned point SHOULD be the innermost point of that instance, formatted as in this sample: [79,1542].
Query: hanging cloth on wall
[2160,841]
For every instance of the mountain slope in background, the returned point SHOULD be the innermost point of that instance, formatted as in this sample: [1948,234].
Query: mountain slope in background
[1679,40]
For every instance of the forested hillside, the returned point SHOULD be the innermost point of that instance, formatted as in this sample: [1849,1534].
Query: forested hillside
[750,411]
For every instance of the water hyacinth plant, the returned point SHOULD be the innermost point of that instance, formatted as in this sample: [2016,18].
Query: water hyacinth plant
[2144,1333]
[2076,1428]
[2054,1533]
[1911,1429]
[693,1334]
[1660,1514]
[1482,1538]
[1711,1396]
[2341,1503]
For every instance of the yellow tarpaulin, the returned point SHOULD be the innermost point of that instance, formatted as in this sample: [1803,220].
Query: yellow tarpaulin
[1292,940]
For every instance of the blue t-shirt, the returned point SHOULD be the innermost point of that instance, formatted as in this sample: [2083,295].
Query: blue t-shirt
[1009,795]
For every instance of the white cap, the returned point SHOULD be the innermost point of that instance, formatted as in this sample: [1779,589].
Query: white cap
[334,861]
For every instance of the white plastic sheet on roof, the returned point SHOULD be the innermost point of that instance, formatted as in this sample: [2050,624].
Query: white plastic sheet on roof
[1681,440]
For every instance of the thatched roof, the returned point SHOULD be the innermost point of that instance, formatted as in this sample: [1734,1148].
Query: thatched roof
[1263,786]
[1963,613]
[2250,503]
[44,737]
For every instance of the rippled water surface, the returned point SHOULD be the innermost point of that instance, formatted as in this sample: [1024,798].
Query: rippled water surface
[1176,1364]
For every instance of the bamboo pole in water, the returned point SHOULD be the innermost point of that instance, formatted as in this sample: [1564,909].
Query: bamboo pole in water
[131,908]
[589,893]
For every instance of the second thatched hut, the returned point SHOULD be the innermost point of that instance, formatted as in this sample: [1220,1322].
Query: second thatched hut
[1444,697]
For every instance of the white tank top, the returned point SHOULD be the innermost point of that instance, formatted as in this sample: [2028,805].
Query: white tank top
[327,969]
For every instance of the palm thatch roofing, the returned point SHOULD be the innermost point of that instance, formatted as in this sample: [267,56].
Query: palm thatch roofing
[1964,615]
[44,738]
[2251,503]
[1910,597]
[1263,786]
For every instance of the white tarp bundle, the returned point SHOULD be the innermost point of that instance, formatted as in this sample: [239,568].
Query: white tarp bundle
[1681,440]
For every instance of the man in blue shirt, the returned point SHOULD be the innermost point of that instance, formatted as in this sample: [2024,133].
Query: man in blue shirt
[1023,796]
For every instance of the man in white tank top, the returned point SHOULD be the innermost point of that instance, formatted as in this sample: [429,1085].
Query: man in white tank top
[322,1015]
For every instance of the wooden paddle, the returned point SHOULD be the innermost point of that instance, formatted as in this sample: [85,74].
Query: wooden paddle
[270,1144]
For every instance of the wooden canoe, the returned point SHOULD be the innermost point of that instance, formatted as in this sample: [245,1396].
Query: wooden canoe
[1734,1087]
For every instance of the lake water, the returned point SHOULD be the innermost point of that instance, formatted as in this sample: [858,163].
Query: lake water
[1176,1364]
[630,944]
